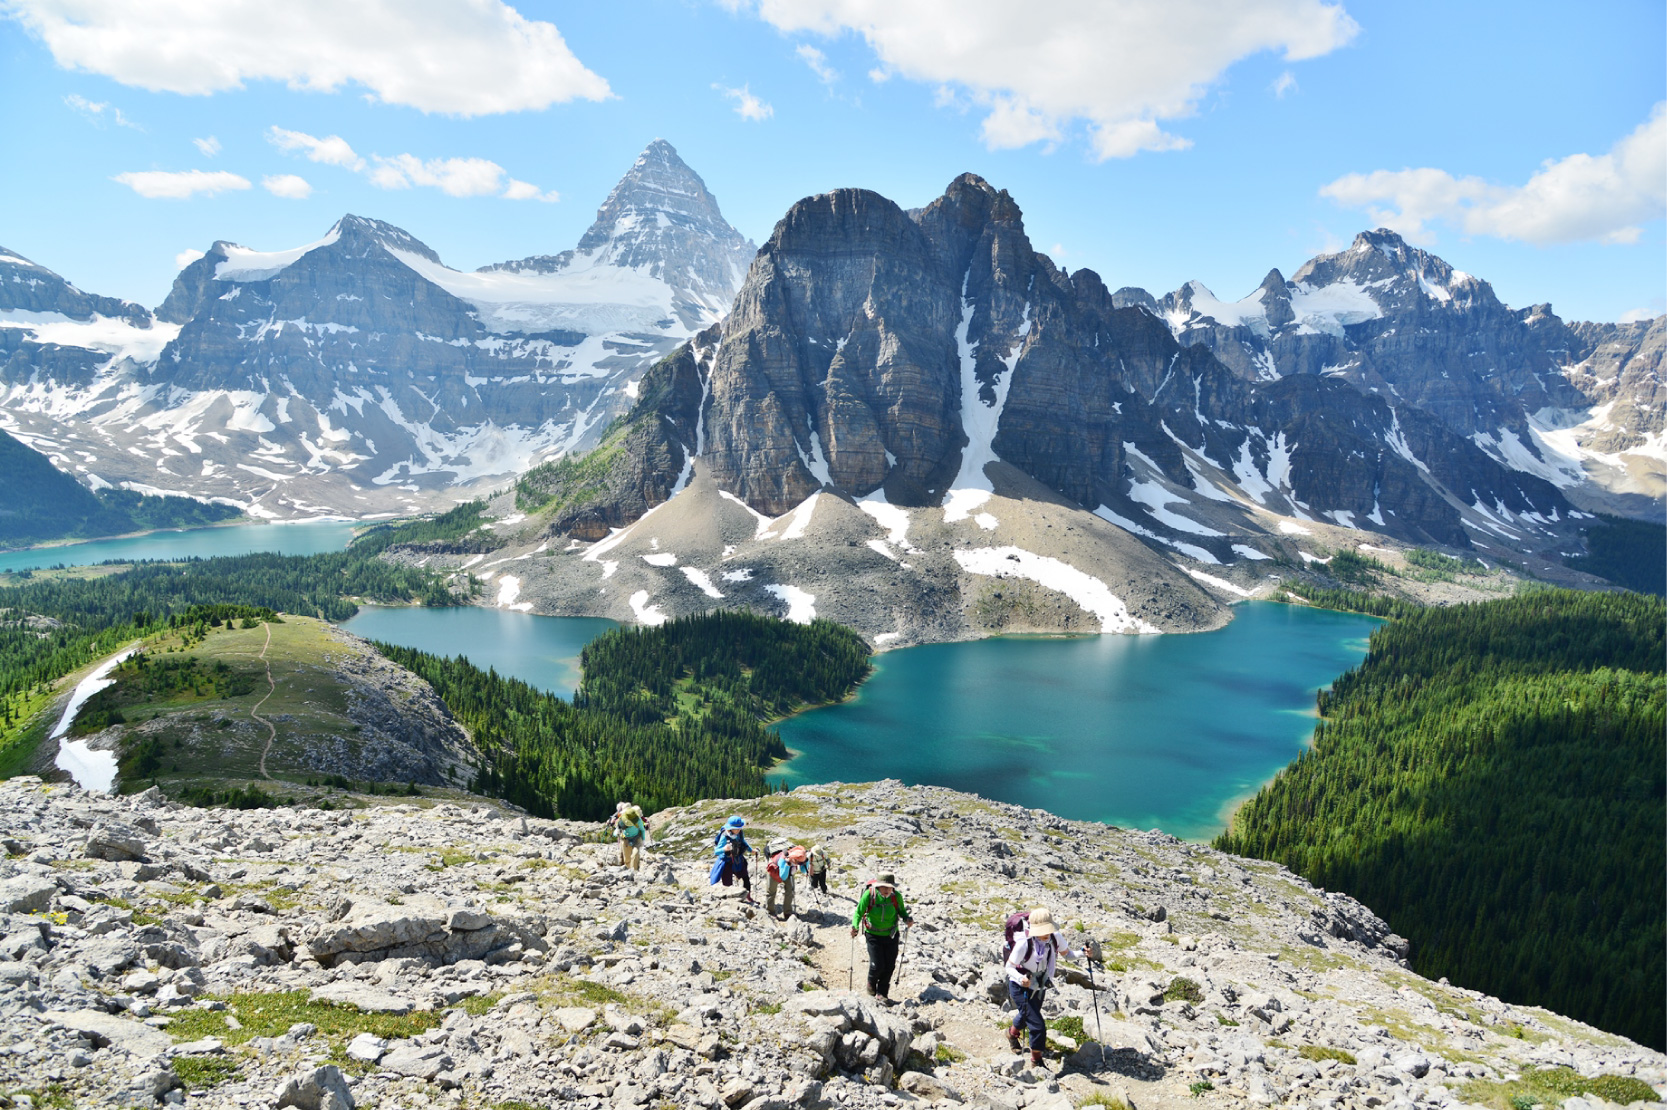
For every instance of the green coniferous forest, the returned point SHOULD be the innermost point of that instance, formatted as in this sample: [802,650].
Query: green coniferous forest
[664,716]
[1491,779]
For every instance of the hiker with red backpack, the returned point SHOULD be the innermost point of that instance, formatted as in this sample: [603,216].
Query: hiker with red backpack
[879,917]
[784,860]
[1033,951]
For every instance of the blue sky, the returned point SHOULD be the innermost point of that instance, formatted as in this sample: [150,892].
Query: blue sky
[1154,141]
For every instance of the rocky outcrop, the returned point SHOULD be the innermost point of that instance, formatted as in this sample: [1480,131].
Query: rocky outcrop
[1226,982]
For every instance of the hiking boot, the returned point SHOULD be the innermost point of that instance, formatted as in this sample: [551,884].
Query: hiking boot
[1035,1057]
[1013,1039]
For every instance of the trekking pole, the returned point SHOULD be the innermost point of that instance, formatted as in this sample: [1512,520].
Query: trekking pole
[1092,951]
[851,966]
[902,935]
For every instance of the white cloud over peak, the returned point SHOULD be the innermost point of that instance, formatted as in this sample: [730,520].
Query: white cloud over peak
[287,185]
[185,257]
[460,57]
[747,106]
[331,151]
[1579,198]
[1037,69]
[456,177]
[526,190]
[209,146]
[163,185]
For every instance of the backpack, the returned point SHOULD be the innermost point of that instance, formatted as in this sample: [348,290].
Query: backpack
[893,898]
[631,825]
[796,855]
[1016,924]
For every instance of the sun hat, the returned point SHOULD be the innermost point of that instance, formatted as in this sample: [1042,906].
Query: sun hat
[1041,922]
[886,878]
[735,822]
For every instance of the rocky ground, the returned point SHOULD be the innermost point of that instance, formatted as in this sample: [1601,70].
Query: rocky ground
[400,956]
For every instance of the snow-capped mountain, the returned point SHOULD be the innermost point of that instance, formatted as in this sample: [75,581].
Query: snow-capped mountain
[1399,322]
[359,373]
[928,362]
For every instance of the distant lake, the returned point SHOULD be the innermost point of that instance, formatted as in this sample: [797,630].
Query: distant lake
[309,538]
[1142,731]
[1163,732]
[542,651]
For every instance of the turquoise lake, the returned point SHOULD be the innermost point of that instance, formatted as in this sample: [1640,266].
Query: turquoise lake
[311,538]
[542,651]
[1166,732]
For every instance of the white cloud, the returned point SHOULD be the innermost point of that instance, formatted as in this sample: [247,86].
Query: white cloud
[209,146]
[95,109]
[1041,67]
[1574,199]
[158,184]
[287,185]
[818,63]
[331,151]
[185,257]
[456,177]
[526,190]
[747,106]
[1286,82]
[1639,315]
[879,75]
[460,57]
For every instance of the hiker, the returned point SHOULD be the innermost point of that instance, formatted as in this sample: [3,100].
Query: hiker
[731,850]
[1034,950]
[784,859]
[817,868]
[879,910]
[631,827]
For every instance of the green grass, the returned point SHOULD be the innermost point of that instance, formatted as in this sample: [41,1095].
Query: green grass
[1183,989]
[1320,1052]
[577,991]
[1200,1087]
[1070,1025]
[948,1054]
[1551,1086]
[1100,1098]
[199,1073]
[479,1004]
[270,1014]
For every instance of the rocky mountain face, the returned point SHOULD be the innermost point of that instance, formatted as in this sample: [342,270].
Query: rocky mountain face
[892,356]
[1397,321]
[359,373]
[289,957]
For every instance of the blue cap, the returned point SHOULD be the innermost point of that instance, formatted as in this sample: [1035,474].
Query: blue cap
[734,822]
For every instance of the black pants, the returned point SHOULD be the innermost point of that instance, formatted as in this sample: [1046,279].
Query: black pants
[819,881]
[882,961]
[1027,1014]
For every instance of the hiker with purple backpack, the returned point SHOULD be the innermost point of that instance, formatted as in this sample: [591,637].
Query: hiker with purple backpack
[1033,951]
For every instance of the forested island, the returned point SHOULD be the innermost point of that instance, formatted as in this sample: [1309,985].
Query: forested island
[1491,780]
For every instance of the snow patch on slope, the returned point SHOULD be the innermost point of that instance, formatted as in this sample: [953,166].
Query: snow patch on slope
[1087,591]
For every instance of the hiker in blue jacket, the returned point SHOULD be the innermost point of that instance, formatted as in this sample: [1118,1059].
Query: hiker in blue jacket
[730,851]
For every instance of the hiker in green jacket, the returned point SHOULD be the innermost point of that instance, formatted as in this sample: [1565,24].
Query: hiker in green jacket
[879,910]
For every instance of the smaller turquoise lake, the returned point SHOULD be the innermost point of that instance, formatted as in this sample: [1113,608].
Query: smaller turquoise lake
[310,538]
[540,651]
[1165,732]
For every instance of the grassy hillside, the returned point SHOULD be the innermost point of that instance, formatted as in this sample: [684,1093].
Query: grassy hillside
[39,502]
[1491,780]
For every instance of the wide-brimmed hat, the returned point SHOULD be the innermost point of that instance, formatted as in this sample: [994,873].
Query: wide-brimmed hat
[1041,923]
[735,822]
[886,878]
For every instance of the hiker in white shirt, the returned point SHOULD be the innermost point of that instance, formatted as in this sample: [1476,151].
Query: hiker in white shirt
[1030,969]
